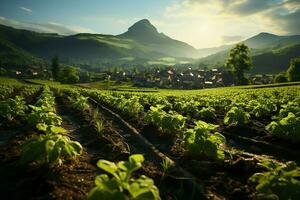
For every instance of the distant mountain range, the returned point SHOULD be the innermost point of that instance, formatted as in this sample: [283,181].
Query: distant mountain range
[142,44]
[270,53]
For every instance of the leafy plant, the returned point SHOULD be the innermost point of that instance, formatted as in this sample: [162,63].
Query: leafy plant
[11,108]
[44,115]
[261,109]
[80,103]
[187,106]
[291,106]
[287,128]
[236,117]
[50,129]
[207,113]
[200,140]
[167,122]
[279,182]
[130,107]
[122,185]
[49,149]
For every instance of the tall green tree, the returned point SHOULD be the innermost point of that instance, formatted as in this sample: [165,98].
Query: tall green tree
[69,75]
[55,67]
[293,72]
[238,62]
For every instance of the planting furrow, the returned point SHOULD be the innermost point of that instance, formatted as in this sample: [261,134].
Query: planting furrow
[191,184]
[258,147]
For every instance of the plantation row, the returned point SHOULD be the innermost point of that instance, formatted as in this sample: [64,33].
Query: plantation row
[197,125]
[52,147]
[276,110]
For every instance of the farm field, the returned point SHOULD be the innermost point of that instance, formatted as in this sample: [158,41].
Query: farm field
[67,142]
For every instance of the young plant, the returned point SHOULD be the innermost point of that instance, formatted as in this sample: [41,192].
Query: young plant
[171,122]
[80,103]
[236,117]
[97,122]
[11,108]
[95,115]
[44,115]
[122,185]
[287,128]
[50,129]
[130,107]
[49,149]
[279,182]
[200,141]
[99,126]
[261,109]
[166,164]
[290,107]
[189,106]
[207,113]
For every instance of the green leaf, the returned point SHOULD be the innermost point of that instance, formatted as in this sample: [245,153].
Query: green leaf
[57,129]
[108,166]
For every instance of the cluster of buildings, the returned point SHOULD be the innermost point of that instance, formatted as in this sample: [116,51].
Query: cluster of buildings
[183,78]
[30,73]
[187,78]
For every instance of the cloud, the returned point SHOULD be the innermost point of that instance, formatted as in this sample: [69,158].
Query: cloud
[284,18]
[226,8]
[210,20]
[231,39]
[26,9]
[50,27]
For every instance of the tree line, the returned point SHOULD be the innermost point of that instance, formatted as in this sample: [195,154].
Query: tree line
[67,74]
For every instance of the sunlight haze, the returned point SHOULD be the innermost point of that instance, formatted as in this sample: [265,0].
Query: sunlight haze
[200,23]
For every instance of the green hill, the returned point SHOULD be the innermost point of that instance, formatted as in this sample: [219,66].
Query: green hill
[94,50]
[142,45]
[12,56]
[270,53]
[91,49]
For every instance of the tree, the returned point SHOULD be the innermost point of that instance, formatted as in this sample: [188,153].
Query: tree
[85,76]
[69,75]
[55,68]
[280,78]
[293,72]
[239,61]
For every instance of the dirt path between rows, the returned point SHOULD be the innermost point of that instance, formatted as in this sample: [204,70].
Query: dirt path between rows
[179,180]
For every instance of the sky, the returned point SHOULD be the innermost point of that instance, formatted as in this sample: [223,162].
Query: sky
[201,23]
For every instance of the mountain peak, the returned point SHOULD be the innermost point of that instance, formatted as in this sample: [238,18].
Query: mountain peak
[143,21]
[143,31]
[143,26]
[265,34]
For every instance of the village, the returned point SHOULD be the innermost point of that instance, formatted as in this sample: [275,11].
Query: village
[184,78]
[166,77]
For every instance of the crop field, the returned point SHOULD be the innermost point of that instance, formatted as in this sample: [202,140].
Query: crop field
[69,142]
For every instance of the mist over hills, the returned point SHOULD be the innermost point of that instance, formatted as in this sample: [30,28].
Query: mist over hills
[142,44]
